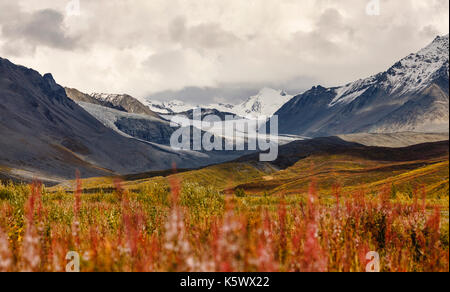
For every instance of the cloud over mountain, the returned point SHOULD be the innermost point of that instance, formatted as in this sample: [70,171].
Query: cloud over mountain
[145,47]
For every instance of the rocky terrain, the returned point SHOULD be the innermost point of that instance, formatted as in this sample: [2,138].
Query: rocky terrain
[127,102]
[140,126]
[78,96]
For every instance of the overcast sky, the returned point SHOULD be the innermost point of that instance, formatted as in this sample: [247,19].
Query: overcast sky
[213,50]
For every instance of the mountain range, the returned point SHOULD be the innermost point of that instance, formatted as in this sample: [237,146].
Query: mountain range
[265,103]
[48,136]
[49,131]
[412,95]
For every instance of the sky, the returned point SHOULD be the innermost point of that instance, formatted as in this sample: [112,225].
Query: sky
[208,51]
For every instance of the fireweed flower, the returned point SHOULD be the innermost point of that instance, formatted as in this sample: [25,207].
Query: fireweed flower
[5,253]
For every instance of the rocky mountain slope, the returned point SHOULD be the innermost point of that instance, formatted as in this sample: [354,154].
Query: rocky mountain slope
[412,95]
[127,102]
[140,126]
[46,135]
[78,96]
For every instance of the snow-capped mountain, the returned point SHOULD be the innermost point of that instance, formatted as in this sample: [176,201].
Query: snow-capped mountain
[169,107]
[412,95]
[265,103]
[178,106]
[411,74]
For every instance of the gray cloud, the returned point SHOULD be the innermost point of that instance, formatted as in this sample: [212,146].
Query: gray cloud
[231,93]
[203,48]
[24,31]
[202,36]
[205,95]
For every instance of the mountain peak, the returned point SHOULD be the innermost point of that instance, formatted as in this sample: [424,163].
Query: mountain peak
[437,48]
[50,81]
[441,38]
[417,71]
[54,89]
[265,103]
[267,91]
[125,101]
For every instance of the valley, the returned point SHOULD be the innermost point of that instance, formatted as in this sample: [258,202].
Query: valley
[351,167]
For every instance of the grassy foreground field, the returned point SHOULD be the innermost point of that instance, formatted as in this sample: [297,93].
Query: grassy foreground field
[173,225]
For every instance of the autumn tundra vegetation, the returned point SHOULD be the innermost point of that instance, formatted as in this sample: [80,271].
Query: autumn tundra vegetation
[170,224]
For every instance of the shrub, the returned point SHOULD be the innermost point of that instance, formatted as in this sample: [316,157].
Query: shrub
[5,194]
[240,193]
